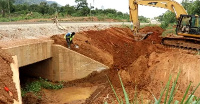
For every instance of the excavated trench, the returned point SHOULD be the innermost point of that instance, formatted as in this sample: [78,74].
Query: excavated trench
[146,64]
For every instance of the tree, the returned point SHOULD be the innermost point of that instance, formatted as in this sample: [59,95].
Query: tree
[192,7]
[143,19]
[44,8]
[186,4]
[5,6]
[81,4]
[195,8]
[53,8]
[67,9]
[34,8]
[167,18]
[82,8]
[84,11]
[112,11]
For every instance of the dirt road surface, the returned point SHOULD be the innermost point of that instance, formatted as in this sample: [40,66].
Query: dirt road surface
[14,31]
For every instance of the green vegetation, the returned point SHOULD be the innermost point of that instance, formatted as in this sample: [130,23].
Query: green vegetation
[150,25]
[167,18]
[192,7]
[110,14]
[16,10]
[36,86]
[143,19]
[168,91]
[170,29]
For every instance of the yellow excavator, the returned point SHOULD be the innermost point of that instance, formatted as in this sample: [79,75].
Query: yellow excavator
[187,28]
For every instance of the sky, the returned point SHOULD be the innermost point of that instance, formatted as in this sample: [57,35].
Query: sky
[119,5]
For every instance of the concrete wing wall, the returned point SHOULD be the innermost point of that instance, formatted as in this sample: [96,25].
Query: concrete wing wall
[69,65]
[15,70]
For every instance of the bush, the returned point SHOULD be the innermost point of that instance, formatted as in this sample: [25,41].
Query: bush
[101,18]
[4,20]
[164,25]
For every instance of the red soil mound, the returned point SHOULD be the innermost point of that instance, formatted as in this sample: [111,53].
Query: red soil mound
[155,36]
[112,47]
[6,79]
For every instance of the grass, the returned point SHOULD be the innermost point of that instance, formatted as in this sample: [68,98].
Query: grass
[35,15]
[151,25]
[141,26]
[21,16]
[169,30]
[167,92]
[36,86]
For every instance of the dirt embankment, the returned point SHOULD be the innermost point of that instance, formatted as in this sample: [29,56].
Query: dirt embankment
[113,46]
[6,79]
[147,63]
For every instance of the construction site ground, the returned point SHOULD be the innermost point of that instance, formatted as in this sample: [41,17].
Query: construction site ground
[145,65]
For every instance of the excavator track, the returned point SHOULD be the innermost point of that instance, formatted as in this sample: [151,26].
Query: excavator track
[182,42]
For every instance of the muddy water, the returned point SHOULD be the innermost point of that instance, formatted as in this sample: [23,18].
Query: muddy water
[69,95]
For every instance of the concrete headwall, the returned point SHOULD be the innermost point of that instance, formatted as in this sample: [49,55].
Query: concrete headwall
[69,65]
[31,53]
[65,65]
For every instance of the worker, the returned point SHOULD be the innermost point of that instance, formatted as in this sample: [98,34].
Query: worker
[69,36]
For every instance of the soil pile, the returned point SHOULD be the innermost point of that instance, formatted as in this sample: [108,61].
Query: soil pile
[113,47]
[6,79]
[155,37]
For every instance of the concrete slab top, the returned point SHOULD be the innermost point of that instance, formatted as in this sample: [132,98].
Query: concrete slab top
[17,43]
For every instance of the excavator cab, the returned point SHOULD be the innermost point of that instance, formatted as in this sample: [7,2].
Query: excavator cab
[188,25]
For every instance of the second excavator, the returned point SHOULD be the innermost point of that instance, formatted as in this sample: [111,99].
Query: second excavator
[187,28]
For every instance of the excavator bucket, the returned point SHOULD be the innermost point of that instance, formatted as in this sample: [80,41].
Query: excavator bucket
[141,36]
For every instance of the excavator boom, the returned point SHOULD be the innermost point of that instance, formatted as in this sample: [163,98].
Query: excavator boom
[167,4]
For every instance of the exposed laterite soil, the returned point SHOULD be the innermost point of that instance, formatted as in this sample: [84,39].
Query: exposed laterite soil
[6,79]
[147,63]
[113,46]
